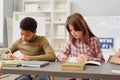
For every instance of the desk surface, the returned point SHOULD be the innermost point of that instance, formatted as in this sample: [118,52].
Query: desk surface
[54,69]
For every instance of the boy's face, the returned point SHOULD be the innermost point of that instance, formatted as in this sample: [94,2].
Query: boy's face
[27,35]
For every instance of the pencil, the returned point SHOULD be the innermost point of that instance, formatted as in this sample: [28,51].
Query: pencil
[10,52]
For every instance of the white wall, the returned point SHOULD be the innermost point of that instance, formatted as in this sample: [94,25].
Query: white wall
[89,7]
[1,21]
[96,7]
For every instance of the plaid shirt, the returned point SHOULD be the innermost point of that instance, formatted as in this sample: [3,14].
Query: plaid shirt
[93,51]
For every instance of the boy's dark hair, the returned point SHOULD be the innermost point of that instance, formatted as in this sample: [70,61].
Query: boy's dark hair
[28,23]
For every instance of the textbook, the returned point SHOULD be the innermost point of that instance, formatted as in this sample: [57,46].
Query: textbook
[73,66]
[78,65]
[35,63]
[12,63]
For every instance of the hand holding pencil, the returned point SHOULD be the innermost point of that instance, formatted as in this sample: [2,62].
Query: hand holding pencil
[10,56]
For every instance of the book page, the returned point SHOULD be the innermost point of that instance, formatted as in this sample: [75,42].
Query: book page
[93,63]
[72,59]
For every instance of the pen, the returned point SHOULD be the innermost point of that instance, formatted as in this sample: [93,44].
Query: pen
[10,52]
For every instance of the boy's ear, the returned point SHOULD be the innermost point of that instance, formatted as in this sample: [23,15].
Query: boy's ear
[35,31]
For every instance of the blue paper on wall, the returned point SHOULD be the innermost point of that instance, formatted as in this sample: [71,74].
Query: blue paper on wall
[106,43]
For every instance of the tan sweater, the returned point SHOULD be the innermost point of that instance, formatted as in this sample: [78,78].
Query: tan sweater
[37,48]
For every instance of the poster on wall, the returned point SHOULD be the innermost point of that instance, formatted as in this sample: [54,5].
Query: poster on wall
[106,43]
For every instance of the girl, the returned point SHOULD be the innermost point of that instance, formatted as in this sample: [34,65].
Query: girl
[82,43]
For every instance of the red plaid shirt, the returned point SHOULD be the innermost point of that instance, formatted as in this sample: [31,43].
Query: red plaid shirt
[93,51]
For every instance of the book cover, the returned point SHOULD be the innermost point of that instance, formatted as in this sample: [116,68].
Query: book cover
[73,66]
[115,69]
[35,63]
[12,63]
[93,63]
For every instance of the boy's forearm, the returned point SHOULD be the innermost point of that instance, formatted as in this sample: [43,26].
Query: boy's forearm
[46,57]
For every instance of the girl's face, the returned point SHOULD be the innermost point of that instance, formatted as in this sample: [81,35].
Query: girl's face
[75,34]
[26,35]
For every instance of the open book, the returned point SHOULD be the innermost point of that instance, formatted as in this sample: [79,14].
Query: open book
[93,63]
[73,59]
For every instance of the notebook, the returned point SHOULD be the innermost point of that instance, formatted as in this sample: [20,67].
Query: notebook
[35,63]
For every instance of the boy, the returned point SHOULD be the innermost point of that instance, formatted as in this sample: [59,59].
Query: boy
[32,46]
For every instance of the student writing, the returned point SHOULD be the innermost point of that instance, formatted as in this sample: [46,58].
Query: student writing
[32,46]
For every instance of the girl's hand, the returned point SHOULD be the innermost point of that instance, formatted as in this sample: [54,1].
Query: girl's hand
[64,58]
[82,58]
[10,57]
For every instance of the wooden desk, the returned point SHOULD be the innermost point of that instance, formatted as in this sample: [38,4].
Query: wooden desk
[54,69]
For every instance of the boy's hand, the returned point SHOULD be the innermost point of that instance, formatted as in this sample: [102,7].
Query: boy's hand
[10,57]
